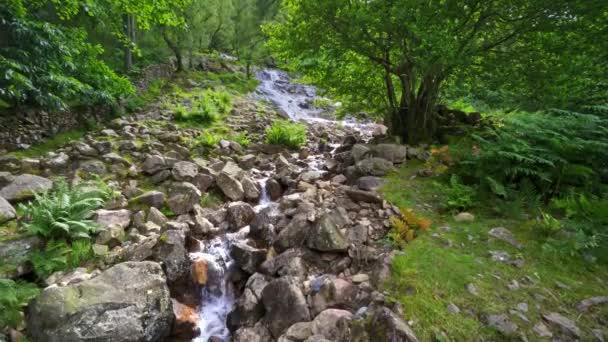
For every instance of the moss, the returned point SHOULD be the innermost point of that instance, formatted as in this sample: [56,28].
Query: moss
[50,144]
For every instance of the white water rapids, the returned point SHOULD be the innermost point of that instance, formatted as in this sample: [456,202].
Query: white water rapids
[296,101]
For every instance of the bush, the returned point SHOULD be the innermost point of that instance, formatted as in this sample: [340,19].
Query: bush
[286,133]
[556,152]
[458,197]
[14,296]
[63,212]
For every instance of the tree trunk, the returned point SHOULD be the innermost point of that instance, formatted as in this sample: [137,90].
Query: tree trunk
[176,50]
[248,67]
[129,25]
[417,109]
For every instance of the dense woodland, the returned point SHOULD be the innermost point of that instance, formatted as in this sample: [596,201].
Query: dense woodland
[509,99]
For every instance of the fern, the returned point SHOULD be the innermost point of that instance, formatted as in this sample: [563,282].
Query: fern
[53,258]
[63,212]
[14,296]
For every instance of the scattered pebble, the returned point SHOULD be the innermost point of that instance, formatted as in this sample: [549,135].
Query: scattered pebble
[453,309]
[541,330]
[472,289]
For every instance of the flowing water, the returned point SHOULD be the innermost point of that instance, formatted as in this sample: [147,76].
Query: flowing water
[295,100]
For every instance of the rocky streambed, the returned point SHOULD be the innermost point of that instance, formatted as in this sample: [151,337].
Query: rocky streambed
[294,252]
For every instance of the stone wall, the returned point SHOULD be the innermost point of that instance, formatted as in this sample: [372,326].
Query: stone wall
[20,128]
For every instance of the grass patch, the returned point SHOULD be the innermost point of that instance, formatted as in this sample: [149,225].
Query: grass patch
[286,133]
[50,144]
[437,265]
[212,199]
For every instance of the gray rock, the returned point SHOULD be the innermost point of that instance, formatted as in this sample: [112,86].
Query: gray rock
[24,186]
[394,153]
[7,212]
[59,161]
[453,309]
[502,323]
[157,217]
[107,218]
[246,257]
[326,237]
[112,235]
[333,324]
[542,331]
[95,167]
[184,171]
[585,304]
[565,325]
[390,326]
[252,193]
[293,235]
[115,158]
[15,252]
[85,150]
[363,196]
[128,302]
[240,214]
[203,182]
[370,183]
[464,217]
[153,164]
[330,292]
[256,283]
[274,189]
[230,186]
[154,199]
[311,176]
[374,167]
[360,152]
[247,311]
[171,251]
[299,331]
[505,235]
[182,197]
[233,170]
[257,333]
[285,305]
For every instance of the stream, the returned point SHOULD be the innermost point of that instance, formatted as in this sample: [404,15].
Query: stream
[295,101]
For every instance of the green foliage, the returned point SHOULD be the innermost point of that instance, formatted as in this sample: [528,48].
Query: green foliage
[554,151]
[51,144]
[211,200]
[63,212]
[458,196]
[54,257]
[137,102]
[14,296]
[241,138]
[207,140]
[286,133]
[206,109]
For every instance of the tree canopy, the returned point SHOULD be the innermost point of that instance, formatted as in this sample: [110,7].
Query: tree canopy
[397,57]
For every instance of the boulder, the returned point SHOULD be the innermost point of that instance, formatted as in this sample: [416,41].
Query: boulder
[171,251]
[274,189]
[326,237]
[15,252]
[240,214]
[247,311]
[96,167]
[374,167]
[331,292]
[364,196]
[184,171]
[246,257]
[59,161]
[370,183]
[299,331]
[390,326]
[359,152]
[182,197]
[394,153]
[108,218]
[24,186]
[294,235]
[153,164]
[127,302]
[203,182]
[252,193]
[154,199]
[257,333]
[333,324]
[285,305]
[311,176]
[232,170]
[7,212]
[157,217]
[230,186]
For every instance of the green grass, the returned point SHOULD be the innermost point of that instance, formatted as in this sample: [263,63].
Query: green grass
[211,200]
[286,133]
[429,275]
[50,144]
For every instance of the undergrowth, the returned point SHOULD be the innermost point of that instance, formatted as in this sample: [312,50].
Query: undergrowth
[286,133]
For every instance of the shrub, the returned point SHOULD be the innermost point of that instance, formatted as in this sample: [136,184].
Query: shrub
[405,227]
[14,296]
[458,197]
[555,151]
[286,133]
[63,212]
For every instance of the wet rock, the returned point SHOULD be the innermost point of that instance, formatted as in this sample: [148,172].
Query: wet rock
[333,324]
[171,251]
[363,196]
[564,324]
[182,197]
[394,153]
[240,214]
[505,235]
[246,257]
[154,199]
[502,323]
[7,212]
[247,311]
[230,186]
[185,326]
[252,193]
[326,237]
[285,305]
[257,333]
[24,186]
[184,171]
[128,302]
[274,189]
[200,270]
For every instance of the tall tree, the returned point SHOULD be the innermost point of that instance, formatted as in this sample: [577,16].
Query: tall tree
[413,47]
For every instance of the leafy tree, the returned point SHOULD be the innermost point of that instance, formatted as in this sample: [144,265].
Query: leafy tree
[411,49]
